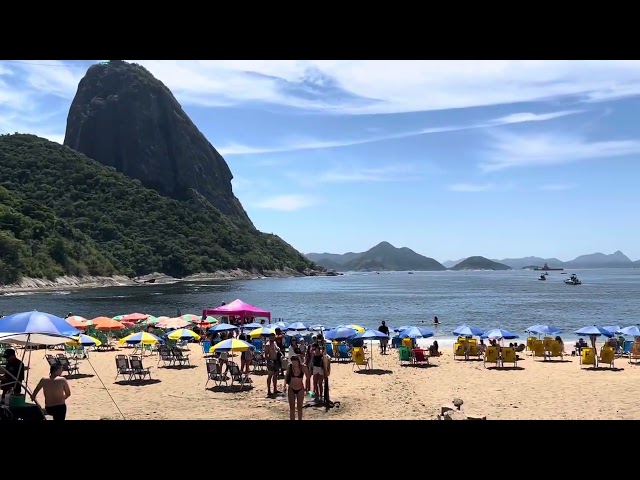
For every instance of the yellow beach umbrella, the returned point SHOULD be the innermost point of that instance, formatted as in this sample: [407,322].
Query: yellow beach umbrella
[183,334]
[231,345]
[84,340]
[144,338]
[262,332]
[357,328]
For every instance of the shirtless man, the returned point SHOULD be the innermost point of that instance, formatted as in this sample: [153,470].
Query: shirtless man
[274,364]
[56,391]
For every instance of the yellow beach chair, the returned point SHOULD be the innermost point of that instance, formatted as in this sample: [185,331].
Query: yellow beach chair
[530,341]
[555,350]
[538,349]
[588,357]
[360,360]
[491,355]
[459,350]
[547,341]
[634,353]
[473,349]
[607,355]
[509,356]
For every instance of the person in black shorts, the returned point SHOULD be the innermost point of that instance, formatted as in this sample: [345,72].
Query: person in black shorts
[384,341]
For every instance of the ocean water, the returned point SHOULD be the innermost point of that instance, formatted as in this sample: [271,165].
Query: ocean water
[512,300]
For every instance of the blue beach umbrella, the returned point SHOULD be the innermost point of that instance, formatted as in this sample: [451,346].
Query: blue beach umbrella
[223,327]
[145,338]
[340,334]
[36,328]
[594,331]
[298,327]
[416,332]
[632,331]
[251,326]
[400,329]
[544,330]
[499,333]
[467,331]
[316,328]
[280,325]
[612,328]
[371,335]
[231,345]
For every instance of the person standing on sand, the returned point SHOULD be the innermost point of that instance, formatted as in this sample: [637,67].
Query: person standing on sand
[274,364]
[56,391]
[384,341]
[294,379]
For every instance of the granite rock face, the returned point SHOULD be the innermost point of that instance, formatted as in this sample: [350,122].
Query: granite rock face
[123,117]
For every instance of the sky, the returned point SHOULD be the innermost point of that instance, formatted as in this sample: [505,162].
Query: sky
[449,158]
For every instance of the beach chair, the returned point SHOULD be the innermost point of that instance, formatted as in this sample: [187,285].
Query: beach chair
[509,356]
[459,350]
[72,368]
[259,362]
[213,372]
[473,350]
[236,375]
[329,349]
[404,354]
[179,357]
[165,356]
[530,341]
[634,353]
[123,368]
[360,360]
[420,357]
[537,349]
[343,352]
[258,344]
[556,350]
[206,345]
[607,355]
[491,355]
[138,369]
[51,360]
[626,348]
[588,357]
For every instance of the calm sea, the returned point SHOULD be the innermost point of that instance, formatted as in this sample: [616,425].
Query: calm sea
[512,300]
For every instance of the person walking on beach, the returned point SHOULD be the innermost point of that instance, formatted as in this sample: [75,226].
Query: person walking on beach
[56,391]
[12,374]
[384,341]
[274,364]
[294,379]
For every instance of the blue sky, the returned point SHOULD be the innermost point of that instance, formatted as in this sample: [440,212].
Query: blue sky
[449,158]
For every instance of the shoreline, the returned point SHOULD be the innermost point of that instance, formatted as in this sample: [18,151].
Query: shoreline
[30,285]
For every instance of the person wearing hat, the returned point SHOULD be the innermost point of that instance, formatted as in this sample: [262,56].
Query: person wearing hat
[12,374]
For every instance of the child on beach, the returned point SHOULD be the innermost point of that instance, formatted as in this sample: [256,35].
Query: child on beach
[56,391]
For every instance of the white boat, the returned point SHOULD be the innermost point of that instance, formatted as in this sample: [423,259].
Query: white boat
[573,280]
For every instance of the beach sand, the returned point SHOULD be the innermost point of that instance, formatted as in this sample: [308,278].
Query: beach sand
[541,390]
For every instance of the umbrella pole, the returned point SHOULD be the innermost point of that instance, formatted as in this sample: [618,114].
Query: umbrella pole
[371,345]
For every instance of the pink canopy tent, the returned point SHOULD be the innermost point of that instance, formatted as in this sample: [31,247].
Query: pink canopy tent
[239,308]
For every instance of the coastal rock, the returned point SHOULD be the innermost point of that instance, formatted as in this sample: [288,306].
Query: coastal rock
[454,415]
[457,402]
[123,117]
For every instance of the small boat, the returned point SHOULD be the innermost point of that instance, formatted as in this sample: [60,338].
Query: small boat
[410,273]
[573,280]
[542,277]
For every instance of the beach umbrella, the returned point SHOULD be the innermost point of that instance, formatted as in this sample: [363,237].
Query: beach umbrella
[371,335]
[467,331]
[107,324]
[84,340]
[357,328]
[612,329]
[150,320]
[280,325]
[231,345]
[298,327]
[191,318]
[209,319]
[76,321]
[594,331]
[118,317]
[144,338]
[223,327]
[173,323]
[632,331]
[416,332]
[316,328]
[262,332]
[36,328]
[400,329]
[340,334]
[499,333]
[544,330]
[133,317]
[183,334]
[251,326]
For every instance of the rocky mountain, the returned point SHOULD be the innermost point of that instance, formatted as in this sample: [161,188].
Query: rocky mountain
[479,263]
[594,260]
[452,263]
[123,117]
[383,256]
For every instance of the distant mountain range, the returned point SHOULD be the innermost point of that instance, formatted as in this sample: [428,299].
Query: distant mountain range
[594,260]
[386,257]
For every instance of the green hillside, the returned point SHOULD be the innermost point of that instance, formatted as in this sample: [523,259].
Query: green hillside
[479,263]
[62,213]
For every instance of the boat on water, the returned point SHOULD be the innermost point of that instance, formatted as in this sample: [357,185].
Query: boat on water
[573,280]
[547,268]
[542,277]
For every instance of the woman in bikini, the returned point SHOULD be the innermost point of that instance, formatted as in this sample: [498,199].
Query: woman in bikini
[295,380]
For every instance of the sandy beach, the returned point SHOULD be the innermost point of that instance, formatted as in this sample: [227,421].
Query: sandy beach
[540,390]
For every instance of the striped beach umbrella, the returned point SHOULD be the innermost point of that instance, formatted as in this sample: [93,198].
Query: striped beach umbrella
[183,334]
[144,338]
[85,341]
[231,345]
[262,332]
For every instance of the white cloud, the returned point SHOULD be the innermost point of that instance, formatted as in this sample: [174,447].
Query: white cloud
[298,144]
[514,150]
[471,187]
[287,203]
[556,187]
[397,85]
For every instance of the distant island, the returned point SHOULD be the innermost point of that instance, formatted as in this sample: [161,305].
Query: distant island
[405,259]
